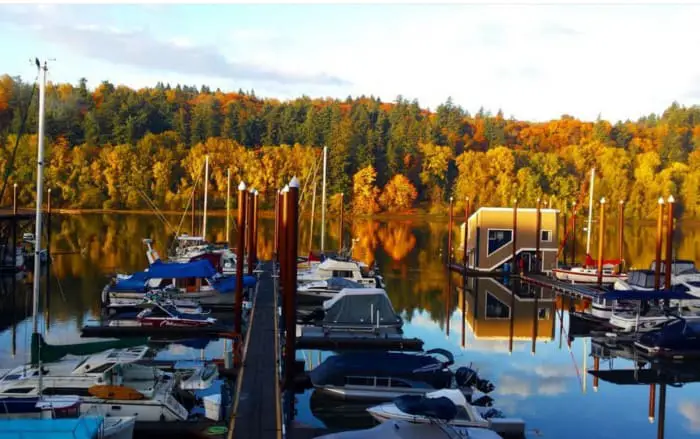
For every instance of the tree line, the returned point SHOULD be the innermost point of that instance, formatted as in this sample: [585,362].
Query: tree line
[119,148]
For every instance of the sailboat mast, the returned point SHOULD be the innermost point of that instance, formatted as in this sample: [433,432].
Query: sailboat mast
[228,203]
[39,199]
[323,200]
[311,225]
[590,213]
[206,189]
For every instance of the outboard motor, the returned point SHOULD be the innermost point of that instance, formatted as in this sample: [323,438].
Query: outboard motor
[466,377]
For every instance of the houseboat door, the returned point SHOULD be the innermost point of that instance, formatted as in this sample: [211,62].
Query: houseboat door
[526,257]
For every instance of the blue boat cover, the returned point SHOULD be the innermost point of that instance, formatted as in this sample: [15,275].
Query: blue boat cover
[80,428]
[228,284]
[418,405]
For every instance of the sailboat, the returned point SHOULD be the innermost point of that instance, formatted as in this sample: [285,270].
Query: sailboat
[54,415]
[588,272]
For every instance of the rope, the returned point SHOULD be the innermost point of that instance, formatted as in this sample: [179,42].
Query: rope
[189,203]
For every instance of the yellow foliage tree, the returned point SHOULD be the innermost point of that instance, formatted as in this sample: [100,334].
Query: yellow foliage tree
[398,194]
[364,191]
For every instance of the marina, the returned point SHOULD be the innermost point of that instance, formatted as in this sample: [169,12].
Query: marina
[215,341]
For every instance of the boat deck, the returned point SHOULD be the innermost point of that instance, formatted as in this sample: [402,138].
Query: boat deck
[257,410]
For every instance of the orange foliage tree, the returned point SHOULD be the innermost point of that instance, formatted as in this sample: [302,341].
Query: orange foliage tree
[398,194]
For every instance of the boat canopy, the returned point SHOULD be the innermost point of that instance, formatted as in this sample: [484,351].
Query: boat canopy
[360,306]
[200,268]
[333,283]
[418,405]
[674,293]
[332,264]
[86,427]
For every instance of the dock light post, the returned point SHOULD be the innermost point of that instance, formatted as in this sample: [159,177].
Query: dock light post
[669,243]
[466,233]
[573,233]
[621,231]
[601,231]
[340,231]
[659,244]
[238,306]
[449,234]
[515,237]
[290,299]
[538,257]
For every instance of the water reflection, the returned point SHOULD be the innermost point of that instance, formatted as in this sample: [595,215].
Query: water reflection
[525,339]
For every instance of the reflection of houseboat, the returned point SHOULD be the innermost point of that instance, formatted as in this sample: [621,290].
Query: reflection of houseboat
[490,238]
[495,312]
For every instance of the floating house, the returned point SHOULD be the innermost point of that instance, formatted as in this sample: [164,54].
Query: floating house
[490,238]
[496,313]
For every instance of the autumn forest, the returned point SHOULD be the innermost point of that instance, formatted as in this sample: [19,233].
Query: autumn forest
[112,147]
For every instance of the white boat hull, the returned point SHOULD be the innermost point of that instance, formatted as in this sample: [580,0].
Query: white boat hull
[585,276]
[630,322]
[119,427]
[371,393]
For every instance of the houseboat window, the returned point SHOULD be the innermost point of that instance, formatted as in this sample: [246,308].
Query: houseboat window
[342,273]
[20,390]
[498,239]
[546,235]
[543,314]
[495,309]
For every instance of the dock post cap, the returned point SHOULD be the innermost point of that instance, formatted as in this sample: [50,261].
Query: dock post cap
[294,183]
[14,185]
[251,190]
[467,198]
[451,198]
[671,199]
[49,190]
[661,200]
[515,201]
[285,189]
[241,186]
[602,200]
[573,203]
[342,195]
[621,202]
[255,192]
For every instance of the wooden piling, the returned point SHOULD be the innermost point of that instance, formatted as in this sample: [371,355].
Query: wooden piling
[514,259]
[283,240]
[659,244]
[256,207]
[573,233]
[652,402]
[14,232]
[238,306]
[466,234]
[621,232]
[449,234]
[277,225]
[596,367]
[48,247]
[565,231]
[340,227]
[14,199]
[662,412]
[601,230]
[194,197]
[290,299]
[249,230]
[538,256]
[669,244]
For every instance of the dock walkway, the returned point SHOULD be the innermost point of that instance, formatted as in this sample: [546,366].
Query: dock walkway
[580,290]
[256,409]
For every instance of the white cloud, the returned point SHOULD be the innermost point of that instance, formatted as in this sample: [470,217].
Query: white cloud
[691,411]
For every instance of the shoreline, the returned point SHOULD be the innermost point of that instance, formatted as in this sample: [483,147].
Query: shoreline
[411,214]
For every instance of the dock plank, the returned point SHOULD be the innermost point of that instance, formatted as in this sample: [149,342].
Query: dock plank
[256,409]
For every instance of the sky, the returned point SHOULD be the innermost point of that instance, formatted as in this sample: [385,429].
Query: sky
[535,62]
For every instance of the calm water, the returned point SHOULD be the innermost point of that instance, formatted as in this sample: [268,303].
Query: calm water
[539,371]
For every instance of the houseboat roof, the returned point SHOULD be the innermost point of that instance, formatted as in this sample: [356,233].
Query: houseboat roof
[510,210]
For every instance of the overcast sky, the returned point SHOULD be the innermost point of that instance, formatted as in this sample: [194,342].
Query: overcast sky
[534,62]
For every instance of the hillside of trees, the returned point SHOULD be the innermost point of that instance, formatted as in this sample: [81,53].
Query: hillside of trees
[119,148]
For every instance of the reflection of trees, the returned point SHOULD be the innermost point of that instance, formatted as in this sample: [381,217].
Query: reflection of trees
[397,239]
[365,231]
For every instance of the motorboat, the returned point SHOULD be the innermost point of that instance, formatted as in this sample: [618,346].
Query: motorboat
[161,315]
[448,404]
[351,270]
[383,376]
[197,280]
[110,383]
[407,430]
[319,291]
[673,338]
[357,309]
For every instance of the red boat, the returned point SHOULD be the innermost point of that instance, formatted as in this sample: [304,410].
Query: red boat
[161,315]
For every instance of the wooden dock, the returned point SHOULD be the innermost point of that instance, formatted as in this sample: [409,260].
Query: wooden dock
[256,412]
[461,269]
[578,290]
